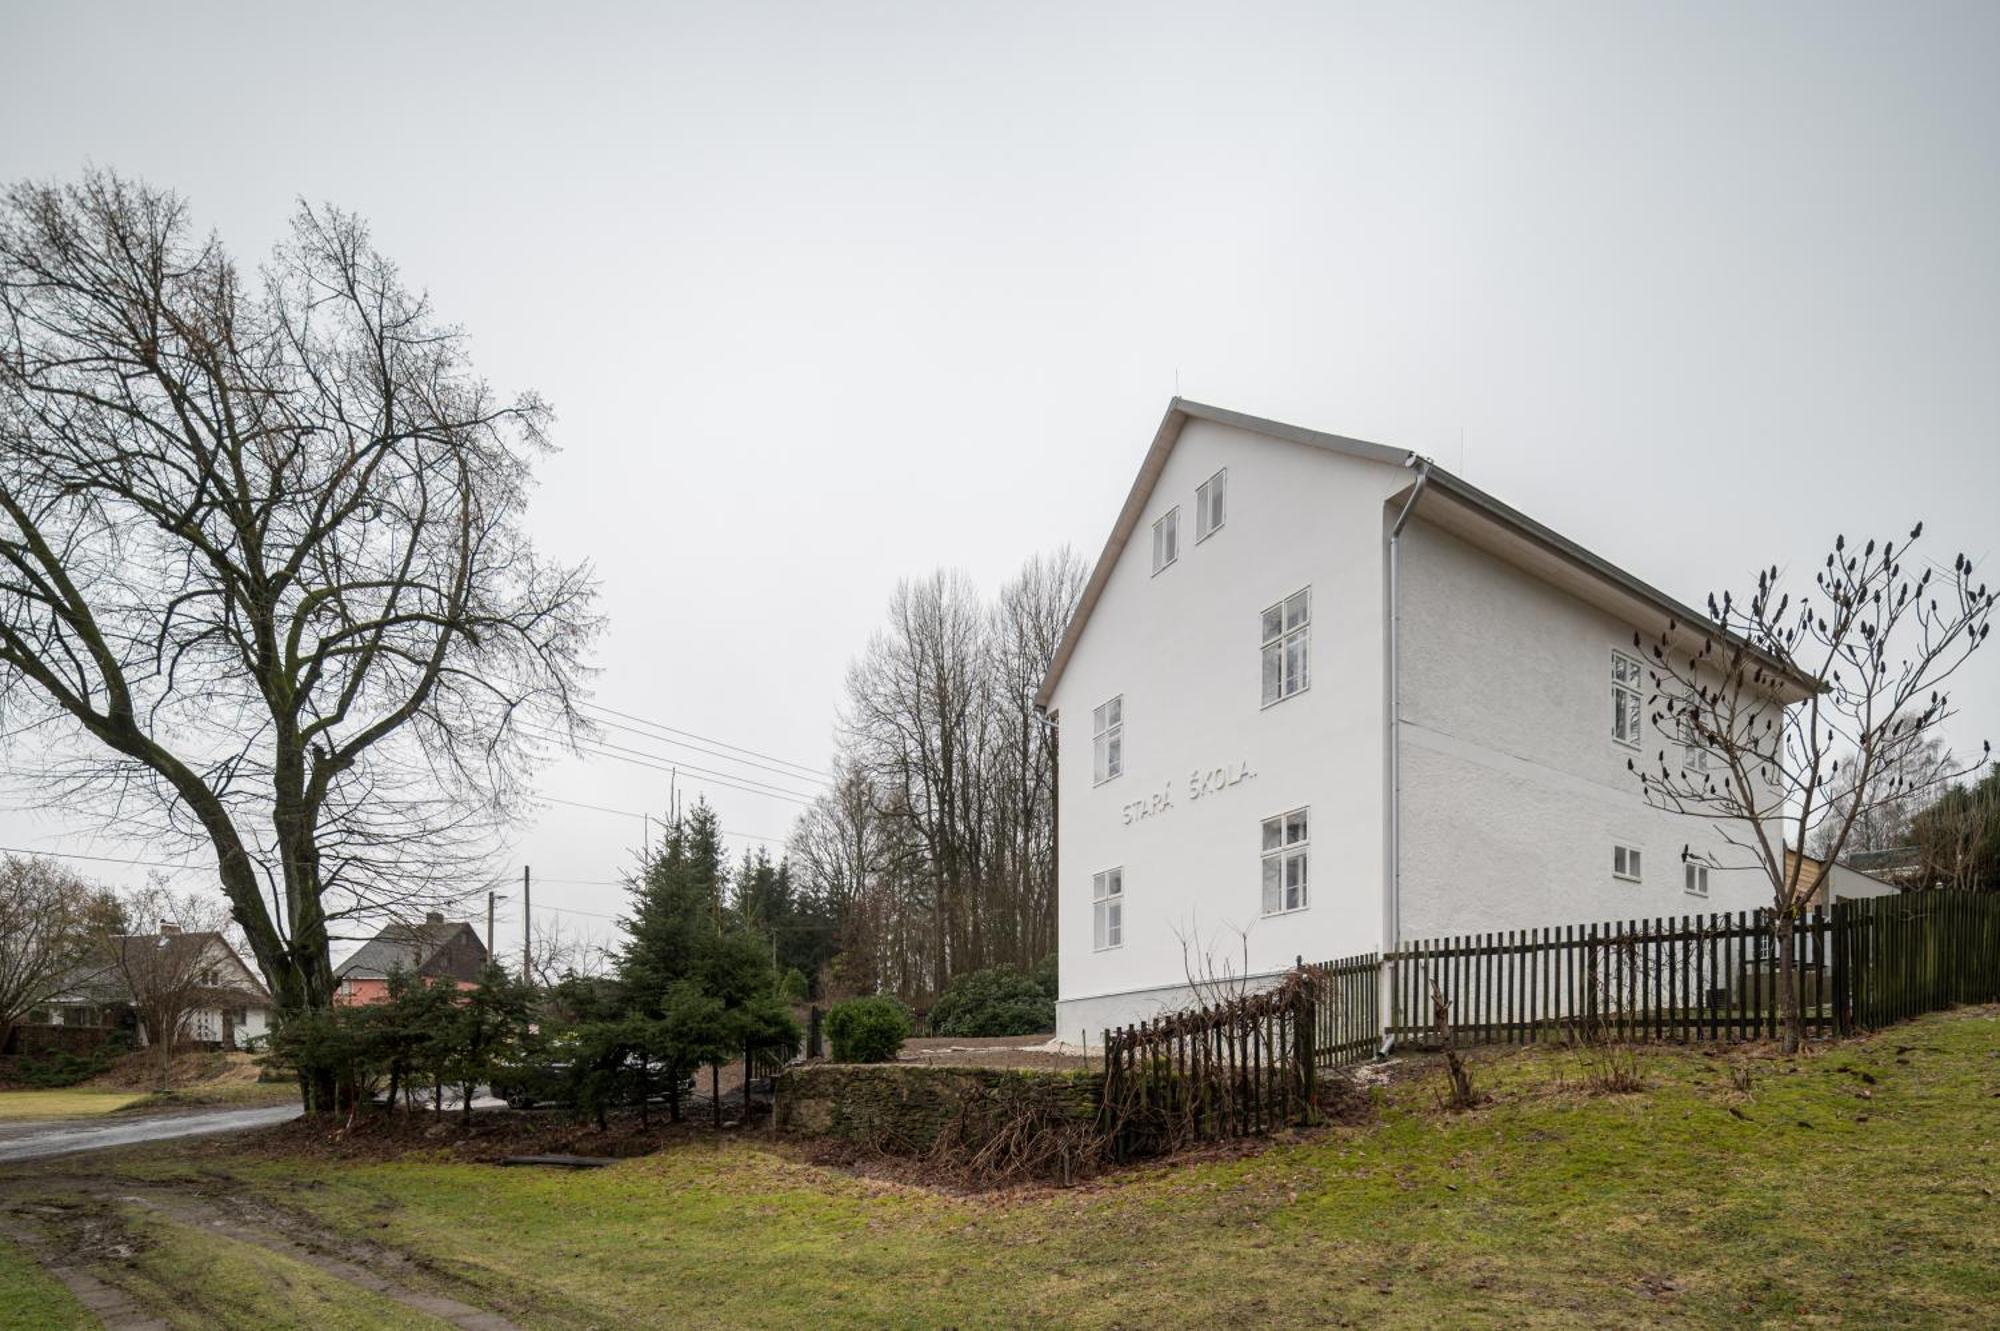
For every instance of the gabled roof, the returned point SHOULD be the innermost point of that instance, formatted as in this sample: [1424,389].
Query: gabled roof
[1455,500]
[406,947]
[104,978]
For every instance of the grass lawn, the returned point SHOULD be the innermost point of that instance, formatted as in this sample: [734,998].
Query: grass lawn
[33,1301]
[198,1281]
[64,1104]
[217,1095]
[1854,1186]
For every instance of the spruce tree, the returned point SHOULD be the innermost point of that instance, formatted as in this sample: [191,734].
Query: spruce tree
[676,908]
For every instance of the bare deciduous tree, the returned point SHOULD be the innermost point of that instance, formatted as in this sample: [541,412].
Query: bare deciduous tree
[175,964]
[51,921]
[263,579]
[1800,718]
[556,953]
[1908,776]
[938,841]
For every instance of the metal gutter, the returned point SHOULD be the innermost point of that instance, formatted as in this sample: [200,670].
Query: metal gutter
[1392,866]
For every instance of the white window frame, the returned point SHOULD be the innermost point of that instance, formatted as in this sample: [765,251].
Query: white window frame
[1294,671]
[1621,688]
[1211,506]
[1278,856]
[1167,539]
[1107,740]
[1628,863]
[1107,909]
[1694,758]
[1694,878]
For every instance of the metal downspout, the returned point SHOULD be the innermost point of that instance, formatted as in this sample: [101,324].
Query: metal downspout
[1392,885]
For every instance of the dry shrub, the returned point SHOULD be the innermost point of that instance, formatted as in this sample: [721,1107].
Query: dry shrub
[1608,1068]
[1010,1133]
[1458,1092]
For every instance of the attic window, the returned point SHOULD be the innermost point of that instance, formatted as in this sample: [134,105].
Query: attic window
[1167,539]
[1210,501]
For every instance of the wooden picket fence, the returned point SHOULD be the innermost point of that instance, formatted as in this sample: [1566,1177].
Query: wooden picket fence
[1865,964]
[1249,1065]
[1240,1067]
[1698,977]
[1347,1009]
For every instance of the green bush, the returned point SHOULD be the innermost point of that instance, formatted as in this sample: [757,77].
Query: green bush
[867,1030]
[999,1001]
[58,1068]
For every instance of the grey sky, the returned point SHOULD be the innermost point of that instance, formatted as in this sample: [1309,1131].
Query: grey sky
[828,295]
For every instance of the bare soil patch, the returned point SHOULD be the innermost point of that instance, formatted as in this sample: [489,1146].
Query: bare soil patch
[998,1051]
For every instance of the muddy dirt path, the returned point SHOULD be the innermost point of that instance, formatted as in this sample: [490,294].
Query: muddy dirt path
[71,1223]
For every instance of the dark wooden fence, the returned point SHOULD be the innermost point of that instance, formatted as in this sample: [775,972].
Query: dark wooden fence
[1347,1009]
[1249,1065]
[1864,964]
[1698,977]
[1236,1068]
[1919,952]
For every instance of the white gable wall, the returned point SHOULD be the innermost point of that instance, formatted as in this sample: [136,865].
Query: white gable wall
[1182,648]
[1513,789]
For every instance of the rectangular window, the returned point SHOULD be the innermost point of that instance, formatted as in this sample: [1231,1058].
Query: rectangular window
[1107,909]
[1285,856]
[1210,501]
[1107,740]
[1287,629]
[1625,699]
[1625,863]
[1694,758]
[1696,877]
[1166,539]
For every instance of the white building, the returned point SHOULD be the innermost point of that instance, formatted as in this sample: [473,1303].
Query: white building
[1321,695]
[227,1006]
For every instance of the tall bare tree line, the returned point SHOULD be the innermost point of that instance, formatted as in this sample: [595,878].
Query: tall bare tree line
[936,843]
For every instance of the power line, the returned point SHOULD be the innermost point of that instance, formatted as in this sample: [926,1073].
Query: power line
[99,859]
[597,749]
[715,753]
[636,813]
[681,766]
[706,739]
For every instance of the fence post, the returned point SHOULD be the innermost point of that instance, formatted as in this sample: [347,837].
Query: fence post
[1305,1026]
[1590,985]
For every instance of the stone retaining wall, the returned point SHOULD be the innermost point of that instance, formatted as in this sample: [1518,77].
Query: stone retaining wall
[901,1108]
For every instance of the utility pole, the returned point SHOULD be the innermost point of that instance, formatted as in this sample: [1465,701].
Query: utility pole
[489,924]
[527,928]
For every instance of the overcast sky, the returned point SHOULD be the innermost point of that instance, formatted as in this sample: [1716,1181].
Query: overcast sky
[827,295]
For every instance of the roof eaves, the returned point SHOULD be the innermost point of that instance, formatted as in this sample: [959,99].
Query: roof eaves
[1601,568]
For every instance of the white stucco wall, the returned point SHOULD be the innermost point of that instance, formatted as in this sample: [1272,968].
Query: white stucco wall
[1847,884]
[1182,648]
[1514,790]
